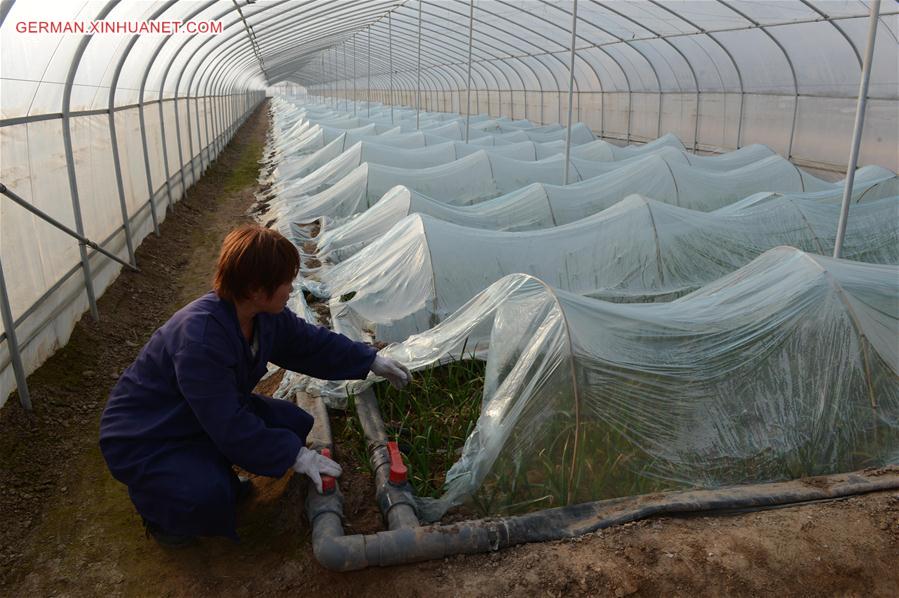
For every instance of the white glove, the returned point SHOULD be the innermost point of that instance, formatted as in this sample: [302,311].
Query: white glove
[396,373]
[314,465]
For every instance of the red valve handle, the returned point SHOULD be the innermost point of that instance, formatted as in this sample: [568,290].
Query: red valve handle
[329,483]
[398,471]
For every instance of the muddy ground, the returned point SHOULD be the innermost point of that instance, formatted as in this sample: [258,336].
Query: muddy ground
[68,529]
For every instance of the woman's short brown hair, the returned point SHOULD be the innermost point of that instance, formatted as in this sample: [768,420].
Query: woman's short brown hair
[253,258]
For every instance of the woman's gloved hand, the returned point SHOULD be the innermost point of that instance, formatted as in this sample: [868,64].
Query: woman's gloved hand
[396,373]
[314,465]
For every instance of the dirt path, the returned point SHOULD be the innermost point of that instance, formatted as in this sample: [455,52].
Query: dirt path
[68,529]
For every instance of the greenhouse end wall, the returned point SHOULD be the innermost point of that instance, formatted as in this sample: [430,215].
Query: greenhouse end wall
[724,124]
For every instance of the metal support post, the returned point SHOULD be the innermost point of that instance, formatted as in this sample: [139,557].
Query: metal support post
[468,86]
[70,164]
[390,59]
[117,168]
[418,83]
[354,75]
[859,125]
[570,93]
[9,325]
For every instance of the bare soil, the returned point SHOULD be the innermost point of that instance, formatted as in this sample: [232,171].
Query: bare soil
[68,529]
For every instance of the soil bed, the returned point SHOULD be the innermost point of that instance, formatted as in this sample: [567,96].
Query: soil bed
[68,529]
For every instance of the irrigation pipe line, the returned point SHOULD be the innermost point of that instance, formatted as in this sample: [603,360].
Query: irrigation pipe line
[395,500]
[403,544]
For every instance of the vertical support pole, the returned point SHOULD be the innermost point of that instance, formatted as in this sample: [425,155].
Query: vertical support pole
[190,137]
[207,117]
[570,93]
[859,126]
[630,107]
[9,325]
[418,78]
[70,167]
[368,93]
[117,168]
[354,75]
[468,85]
[200,147]
[696,121]
[214,104]
[143,138]
[602,113]
[659,122]
[221,126]
[220,122]
[178,138]
[542,102]
[346,97]
[390,59]
[217,120]
[524,102]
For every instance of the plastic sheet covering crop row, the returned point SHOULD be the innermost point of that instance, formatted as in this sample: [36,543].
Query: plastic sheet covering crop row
[784,368]
[508,164]
[766,362]
[421,150]
[638,250]
[542,206]
[480,177]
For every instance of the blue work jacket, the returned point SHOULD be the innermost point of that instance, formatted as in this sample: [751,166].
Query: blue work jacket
[194,378]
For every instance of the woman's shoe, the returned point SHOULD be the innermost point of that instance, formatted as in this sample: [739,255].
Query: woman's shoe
[165,539]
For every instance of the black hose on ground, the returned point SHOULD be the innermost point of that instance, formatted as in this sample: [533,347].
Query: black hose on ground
[407,545]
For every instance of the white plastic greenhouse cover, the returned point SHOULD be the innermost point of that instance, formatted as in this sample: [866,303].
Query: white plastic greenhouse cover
[104,131]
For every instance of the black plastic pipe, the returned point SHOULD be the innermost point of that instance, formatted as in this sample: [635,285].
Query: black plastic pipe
[338,552]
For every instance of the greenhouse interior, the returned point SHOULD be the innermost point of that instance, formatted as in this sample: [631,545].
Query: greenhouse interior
[610,261]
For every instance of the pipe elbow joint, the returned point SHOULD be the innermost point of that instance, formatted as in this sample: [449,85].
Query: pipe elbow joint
[340,553]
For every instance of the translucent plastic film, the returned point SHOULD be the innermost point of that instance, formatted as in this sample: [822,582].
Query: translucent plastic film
[543,206]
[787,367]
[638,250]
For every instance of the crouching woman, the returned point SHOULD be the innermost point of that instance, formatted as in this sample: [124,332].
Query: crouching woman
[184,412]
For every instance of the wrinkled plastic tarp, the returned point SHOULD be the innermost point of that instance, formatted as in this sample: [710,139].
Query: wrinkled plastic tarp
[423,269]
[785,368]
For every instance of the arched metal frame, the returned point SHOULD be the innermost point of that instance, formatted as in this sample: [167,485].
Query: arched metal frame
[66,114]
[692,86]
[227,72]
